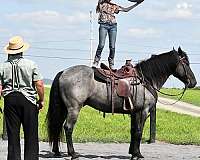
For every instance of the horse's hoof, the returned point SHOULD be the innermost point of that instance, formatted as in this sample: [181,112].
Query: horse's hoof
[57,155]
[136,156]
[75,156]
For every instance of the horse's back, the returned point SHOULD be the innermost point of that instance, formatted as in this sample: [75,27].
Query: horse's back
[76,73]
[76,82]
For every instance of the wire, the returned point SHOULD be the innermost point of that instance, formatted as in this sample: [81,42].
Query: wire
[84,59]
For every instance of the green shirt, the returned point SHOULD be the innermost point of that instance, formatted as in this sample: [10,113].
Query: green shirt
[18,75]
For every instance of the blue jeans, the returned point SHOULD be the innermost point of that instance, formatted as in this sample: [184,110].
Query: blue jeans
[111,30]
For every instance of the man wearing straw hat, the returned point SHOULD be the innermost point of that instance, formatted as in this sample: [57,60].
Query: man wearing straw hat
[20,82]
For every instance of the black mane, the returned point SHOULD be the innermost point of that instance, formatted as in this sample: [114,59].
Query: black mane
[158,67]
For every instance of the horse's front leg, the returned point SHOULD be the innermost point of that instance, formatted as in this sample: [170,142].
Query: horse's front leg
[137,124]
[69,126]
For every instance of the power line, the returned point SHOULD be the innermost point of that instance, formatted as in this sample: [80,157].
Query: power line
[60,41]
[84,59]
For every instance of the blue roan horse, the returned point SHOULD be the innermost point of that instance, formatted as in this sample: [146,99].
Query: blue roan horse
[76,87]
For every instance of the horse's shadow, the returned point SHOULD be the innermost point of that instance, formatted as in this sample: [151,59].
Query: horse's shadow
[48,154]
[105,157]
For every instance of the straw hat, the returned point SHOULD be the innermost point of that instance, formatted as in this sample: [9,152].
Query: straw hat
[16,45]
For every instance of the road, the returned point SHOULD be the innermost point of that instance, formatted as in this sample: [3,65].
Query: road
[179,107]
[99,151]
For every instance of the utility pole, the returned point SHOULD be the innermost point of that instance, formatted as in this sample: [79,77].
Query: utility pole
[91,38]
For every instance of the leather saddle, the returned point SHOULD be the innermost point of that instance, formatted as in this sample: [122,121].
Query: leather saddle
[120,80]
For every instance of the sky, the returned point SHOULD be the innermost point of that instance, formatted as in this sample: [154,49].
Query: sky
[59,32]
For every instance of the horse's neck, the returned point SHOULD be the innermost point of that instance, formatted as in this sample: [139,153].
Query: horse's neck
[158,84]
[157,69]
[157,80]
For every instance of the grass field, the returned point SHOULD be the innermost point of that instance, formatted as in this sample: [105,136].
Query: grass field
[191,95]
[92,127]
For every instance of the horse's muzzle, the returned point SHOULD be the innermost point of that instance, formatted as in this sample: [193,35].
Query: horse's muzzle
[191,84]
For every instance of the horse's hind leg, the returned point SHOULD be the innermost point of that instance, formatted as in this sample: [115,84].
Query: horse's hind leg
[69,127]
[55,148]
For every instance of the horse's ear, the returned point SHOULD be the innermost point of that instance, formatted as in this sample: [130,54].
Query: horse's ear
[180,50]
[174,49]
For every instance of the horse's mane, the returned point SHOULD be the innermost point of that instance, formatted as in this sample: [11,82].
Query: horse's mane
[157,67]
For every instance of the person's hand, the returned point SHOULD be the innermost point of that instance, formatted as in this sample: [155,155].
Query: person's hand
[140,1]
[40,104]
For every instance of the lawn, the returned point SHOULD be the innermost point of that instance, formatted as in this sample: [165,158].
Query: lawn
[191,95]
[92,127]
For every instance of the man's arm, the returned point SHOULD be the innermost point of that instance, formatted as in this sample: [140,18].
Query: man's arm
[40,90]
[0,97]
[0,91]
[126,9]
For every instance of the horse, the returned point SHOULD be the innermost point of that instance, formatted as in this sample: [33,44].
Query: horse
[76,87]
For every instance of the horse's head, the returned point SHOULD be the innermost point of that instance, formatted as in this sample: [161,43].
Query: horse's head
[183,70]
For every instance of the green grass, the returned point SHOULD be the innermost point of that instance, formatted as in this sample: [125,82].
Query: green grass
[171,127]
[92,127]
[191,95]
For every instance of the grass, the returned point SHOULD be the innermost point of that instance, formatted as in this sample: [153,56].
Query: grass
[92,127]
[191,95]
[171,127]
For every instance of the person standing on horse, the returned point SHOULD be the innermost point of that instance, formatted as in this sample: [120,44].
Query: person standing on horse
[108,25]
[20,82]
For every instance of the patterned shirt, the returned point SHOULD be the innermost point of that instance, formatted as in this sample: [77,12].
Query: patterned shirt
[18,75]
[107,11]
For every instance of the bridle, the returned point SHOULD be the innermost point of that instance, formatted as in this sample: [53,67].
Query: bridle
[182,60]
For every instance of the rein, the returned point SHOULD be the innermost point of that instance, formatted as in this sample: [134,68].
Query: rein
[182,93]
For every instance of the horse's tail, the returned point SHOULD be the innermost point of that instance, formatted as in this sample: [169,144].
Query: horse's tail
[57,112]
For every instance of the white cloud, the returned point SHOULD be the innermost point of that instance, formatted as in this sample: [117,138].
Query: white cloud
[144,32]
[49,17]
[183,5]
[180,11]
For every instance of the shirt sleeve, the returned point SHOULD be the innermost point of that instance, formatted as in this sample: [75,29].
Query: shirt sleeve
[36,73]
[116,9]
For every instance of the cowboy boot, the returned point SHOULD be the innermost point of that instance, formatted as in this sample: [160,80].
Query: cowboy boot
[111,63]
[96,62]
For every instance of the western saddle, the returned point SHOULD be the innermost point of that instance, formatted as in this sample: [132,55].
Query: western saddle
[121,81]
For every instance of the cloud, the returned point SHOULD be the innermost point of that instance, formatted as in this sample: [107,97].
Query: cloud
[49,17]
[144,32]
[180,11]
[183,5]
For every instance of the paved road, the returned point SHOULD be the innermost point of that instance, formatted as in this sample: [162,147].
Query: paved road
[97,151]
[179,107]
